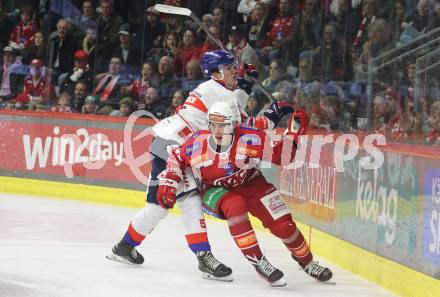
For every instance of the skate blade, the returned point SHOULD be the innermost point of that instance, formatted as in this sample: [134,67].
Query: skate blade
[227,278]
[119,259]
[279,283]
[329,282]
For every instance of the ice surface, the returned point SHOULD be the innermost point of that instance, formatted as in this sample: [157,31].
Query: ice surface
[57,248]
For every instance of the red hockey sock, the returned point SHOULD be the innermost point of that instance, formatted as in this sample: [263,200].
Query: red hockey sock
[292,237]
[246,240]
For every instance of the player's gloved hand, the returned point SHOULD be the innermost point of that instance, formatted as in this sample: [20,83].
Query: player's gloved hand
[297,125]
[243,83]
[166,193]
[166,196]
[277,110]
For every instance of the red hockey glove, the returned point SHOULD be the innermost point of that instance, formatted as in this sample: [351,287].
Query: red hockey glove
[248,69]
[277,110]
[166,194]
[298,124]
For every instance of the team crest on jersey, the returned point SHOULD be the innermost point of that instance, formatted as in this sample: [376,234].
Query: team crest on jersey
[198,159]
[250,139]
[189,150]
[247,151]
[229,168]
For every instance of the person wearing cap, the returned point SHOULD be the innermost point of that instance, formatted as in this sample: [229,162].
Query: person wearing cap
[80,72]
[37,86]
[127,48]
[126,107]
[152,33]
[11,76]
[108,27]
[90,105]
[240,47]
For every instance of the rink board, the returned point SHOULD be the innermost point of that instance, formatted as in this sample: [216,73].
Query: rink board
[388,274]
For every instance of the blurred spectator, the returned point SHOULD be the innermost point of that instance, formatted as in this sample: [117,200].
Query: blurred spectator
[207,20]
[63,103]
[219,18]
[306,82]
[22,33]
[90,105]
[382,113]
[37,86]
[62,48]
[79,96]
[194,76]
[395,20]
[152,33]
[333,61]
[108,90]
[177,100]
[278,80]
[281,28]
[245,7]
[37,49]
[420,19]
[168,81]
[89,15]
[305,33]
[210,45]
[6,25]
[149,78]
[359,23]
[80,72]
[433,136]
[153,104]
[175,24]
[126,107]
[108,27]
[241,48]
[339,16]
[258,26]
[329,113]
[127,49]
[254,105]
[11,75]
[89,44]
[170,47]
[190,49]
[379,42]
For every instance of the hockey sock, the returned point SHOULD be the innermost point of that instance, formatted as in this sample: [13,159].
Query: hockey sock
[198,242]
[245,238]
[133,237]
[294,240]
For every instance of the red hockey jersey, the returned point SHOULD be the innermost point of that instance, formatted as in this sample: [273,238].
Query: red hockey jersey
[239,164]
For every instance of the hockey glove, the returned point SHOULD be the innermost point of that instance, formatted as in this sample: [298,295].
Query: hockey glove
[243,83]
[297,125]
[277,110]
[166,194]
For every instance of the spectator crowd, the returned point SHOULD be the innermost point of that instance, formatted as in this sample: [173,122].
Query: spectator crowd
[351,64]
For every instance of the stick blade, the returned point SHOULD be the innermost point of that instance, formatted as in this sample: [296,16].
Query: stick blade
[172,9]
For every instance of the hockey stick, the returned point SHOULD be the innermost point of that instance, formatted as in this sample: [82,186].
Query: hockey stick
[187,12]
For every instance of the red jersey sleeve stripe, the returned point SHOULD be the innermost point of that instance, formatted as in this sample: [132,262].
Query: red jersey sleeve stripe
[196,102]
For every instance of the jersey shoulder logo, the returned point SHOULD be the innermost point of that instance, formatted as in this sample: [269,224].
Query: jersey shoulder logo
[194,147]
[251,139]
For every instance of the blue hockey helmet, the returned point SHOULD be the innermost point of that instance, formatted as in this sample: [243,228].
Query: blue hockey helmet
[213,60]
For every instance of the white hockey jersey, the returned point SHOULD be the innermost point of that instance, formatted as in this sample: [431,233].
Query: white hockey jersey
[193,115]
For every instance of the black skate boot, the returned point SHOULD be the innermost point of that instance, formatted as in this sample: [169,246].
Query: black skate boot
[211,268]
[318,272]
[268,272]
[125,253]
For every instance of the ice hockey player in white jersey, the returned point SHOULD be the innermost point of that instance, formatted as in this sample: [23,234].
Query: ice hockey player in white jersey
[222,69]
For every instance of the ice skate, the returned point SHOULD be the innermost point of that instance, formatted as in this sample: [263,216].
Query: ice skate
[125,253]
[213,269]
[318,272]
[269,273]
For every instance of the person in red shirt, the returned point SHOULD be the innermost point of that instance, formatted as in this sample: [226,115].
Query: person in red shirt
[227,159]
[22,34]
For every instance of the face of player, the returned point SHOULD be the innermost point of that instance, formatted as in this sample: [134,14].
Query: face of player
[229,76]
[221,132]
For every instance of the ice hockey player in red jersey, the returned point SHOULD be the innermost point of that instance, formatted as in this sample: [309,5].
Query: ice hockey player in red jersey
[226,159]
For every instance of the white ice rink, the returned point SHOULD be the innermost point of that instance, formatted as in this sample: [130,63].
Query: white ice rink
[57,248]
